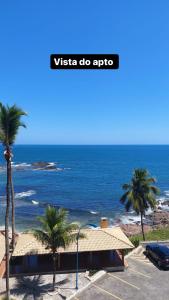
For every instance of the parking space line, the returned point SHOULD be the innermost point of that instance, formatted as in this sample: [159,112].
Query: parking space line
[105,291]
[140,273]
[148,263]
[126,282]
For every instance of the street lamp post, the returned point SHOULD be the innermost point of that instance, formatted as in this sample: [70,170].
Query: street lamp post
[77,258]
[77,252]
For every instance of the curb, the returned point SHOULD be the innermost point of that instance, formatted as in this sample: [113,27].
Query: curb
[133,251]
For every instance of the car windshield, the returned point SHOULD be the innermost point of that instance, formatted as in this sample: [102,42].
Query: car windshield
[163,251]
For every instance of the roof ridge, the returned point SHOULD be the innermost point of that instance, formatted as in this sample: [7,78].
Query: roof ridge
[115,236]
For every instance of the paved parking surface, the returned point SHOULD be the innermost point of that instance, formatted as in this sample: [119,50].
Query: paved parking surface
[142,280]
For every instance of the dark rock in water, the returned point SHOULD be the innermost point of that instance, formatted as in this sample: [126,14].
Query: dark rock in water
[159,207]
[50,167]
[40,164]
[138,222]
[44,165]
[165,202]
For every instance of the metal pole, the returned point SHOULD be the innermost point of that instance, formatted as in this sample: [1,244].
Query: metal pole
[77,255]
[77,259]
[77,262]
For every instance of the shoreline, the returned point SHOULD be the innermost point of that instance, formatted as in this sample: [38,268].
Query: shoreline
[128,222]
[154,220]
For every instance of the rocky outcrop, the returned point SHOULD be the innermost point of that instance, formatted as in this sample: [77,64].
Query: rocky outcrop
[133,229]
[157,220]
[165,203]
[41,165]
[159,217]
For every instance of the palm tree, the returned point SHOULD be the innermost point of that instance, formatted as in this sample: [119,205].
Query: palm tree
[56,232]
[9,126]
[140,194]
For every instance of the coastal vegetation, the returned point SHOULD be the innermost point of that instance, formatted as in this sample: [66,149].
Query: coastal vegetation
[10,122]
[159,234]
[56,232]
[140,194]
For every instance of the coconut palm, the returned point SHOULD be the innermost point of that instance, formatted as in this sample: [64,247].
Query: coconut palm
[140,194]
[10,121]
[56,232]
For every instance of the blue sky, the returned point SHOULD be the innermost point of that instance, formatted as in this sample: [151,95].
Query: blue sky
[125,106]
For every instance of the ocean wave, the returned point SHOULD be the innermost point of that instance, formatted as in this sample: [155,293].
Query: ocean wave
[24,194]
[132,218]
[161,199]
[21,165]
[71,210]
[94,212]
[35,202]
[164,207]
[127,219]
[51,163]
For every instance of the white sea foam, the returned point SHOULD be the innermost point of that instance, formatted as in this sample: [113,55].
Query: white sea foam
[130,219]
[51,164]
[93,212]
[21,165]
[2,228]
[161,199]
[25,194]
[149,211]
[35,202]
[164,207]
[93,227]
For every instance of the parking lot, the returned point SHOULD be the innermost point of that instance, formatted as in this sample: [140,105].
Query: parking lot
[141,280]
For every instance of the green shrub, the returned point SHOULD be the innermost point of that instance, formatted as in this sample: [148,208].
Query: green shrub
[153,235]
[92,272]
[135,241]
[127,251]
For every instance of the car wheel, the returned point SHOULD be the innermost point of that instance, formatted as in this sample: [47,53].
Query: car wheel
[159,264]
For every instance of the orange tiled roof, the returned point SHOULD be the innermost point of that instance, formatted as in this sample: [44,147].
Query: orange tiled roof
[95,240]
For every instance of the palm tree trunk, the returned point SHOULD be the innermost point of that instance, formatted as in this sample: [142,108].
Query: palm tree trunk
[142,226]
[54,270]
[7,229]
[13,207]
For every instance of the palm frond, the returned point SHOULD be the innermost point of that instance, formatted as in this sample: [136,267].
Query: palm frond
[124,197]
[10,122]
[140,193]
[56,232]
[126,186]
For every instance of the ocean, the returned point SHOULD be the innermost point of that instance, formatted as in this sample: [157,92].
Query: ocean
[87,180]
